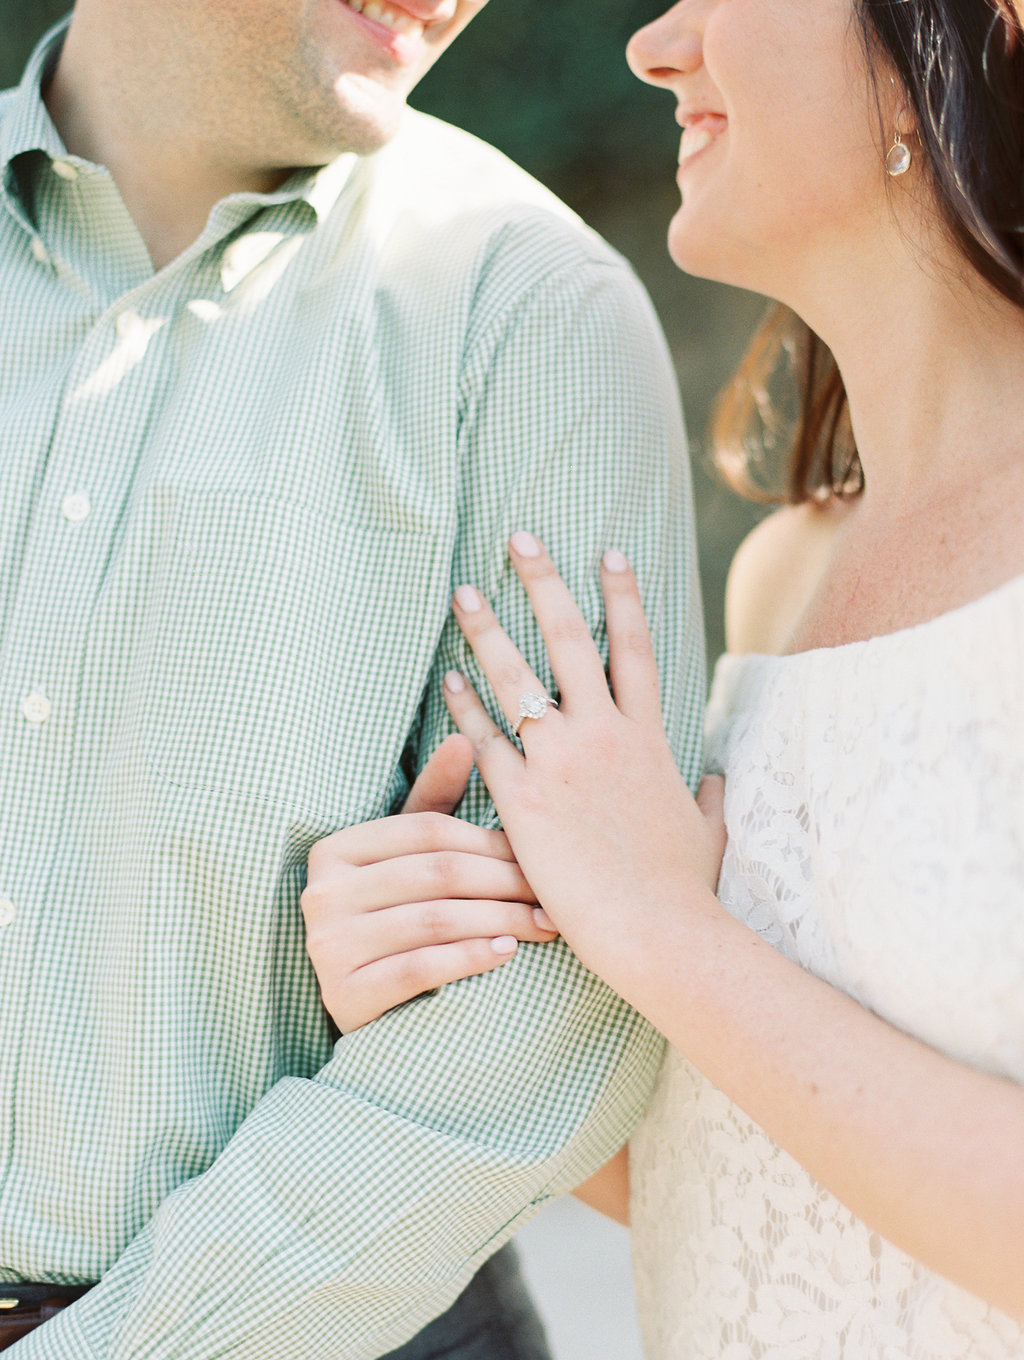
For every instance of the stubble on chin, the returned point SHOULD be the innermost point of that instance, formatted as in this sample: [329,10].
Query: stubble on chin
[352,114]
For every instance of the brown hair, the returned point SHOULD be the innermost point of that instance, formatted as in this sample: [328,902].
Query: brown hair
[961,63]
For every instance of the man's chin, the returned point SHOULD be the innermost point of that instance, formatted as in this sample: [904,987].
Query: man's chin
[368,115]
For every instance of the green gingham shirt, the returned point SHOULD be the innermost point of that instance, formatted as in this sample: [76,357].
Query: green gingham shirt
[234,498]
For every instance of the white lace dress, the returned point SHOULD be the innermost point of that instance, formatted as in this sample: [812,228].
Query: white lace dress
[875,808]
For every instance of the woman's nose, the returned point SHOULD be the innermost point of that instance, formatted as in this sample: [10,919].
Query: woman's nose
[670,46]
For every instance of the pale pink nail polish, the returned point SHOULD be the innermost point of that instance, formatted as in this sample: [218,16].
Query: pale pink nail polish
[468,599]
[542,920]
[615,561]
[454,682]
[505,944]
[525,544]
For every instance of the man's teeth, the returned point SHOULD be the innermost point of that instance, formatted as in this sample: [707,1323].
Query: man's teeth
[694,139]
[390,18]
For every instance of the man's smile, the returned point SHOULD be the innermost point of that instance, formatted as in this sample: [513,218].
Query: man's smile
[387,16]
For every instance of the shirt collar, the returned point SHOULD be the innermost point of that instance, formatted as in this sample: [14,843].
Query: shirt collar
[27,126]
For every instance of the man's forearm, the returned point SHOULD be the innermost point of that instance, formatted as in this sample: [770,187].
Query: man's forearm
[373,1193]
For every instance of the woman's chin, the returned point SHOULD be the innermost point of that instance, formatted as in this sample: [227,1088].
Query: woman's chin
[705,249]
[694,248]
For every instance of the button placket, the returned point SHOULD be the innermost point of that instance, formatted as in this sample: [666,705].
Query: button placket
[67,551]
[76,507]
[36,708]
[128,323]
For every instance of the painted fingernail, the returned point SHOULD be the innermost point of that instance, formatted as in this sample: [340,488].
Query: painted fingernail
[615,561]
[525,544]
[505,944]
[454,682]
[542,920]
[468,599]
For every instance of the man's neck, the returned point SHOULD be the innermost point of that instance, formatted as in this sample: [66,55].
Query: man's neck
[168,180]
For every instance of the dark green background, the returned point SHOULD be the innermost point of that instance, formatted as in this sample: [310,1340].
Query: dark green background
[548,83]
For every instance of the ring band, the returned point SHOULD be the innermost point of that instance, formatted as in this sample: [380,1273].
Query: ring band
[532,705]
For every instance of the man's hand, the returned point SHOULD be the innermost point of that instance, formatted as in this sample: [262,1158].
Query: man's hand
[400,906]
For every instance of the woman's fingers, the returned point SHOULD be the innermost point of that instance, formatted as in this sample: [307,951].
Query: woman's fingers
[575,660]
[574,657]
[497,759]
[631,664]
[499,657]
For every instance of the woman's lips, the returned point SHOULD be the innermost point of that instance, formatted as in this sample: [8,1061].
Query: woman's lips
[699,131]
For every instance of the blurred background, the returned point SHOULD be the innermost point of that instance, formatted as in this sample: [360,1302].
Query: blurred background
[546,81]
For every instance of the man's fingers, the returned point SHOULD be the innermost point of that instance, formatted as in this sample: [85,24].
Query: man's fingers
[711,798]
[711,801]
[415,925]
[437,876]
[370,963]
[441,783]
[419,834]
[387,983]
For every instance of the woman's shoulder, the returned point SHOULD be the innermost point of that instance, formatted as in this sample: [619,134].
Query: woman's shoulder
[775,573]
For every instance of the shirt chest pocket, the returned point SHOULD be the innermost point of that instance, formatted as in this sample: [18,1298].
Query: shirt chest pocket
[284,654]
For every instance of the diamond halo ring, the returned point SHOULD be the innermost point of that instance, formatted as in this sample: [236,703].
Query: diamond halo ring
[532,705]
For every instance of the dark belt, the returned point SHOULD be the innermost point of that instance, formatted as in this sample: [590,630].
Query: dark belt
[24,1307]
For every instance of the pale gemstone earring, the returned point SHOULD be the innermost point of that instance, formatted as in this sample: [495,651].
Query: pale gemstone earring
[898,158]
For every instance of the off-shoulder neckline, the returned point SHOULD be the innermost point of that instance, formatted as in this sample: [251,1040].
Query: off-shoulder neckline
[880,641]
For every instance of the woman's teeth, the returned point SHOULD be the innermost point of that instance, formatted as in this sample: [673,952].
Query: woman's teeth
[383,14]
[694,139]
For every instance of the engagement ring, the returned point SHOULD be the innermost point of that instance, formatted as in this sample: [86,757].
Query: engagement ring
[532,705]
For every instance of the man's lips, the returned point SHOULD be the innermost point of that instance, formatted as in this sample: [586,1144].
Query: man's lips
[407,20]
[388,16]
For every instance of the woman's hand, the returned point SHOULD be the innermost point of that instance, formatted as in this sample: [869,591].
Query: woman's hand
[596,811]
[399,906]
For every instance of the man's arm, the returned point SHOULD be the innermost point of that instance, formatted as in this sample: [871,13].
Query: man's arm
[351,1208]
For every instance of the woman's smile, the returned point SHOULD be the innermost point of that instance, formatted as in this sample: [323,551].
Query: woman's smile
[700,130]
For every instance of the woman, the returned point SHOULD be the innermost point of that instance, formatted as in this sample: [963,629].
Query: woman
[832,1165]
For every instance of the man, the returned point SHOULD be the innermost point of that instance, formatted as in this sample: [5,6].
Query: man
[282,364]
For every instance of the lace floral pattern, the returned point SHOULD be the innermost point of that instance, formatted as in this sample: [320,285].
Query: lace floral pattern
[875,807]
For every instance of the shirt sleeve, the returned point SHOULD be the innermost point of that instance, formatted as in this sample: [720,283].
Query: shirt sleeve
[351,1208]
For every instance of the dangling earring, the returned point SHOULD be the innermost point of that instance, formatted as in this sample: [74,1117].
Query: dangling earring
[898,158]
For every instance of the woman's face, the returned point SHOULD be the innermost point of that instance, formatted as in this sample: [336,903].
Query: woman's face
[780,166]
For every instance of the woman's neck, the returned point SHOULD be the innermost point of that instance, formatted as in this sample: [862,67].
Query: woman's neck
[932,360]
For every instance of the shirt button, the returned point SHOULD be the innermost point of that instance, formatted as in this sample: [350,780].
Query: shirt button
[7,913]
[39,251]
[127,324]
[76,506]
[65,169]
[36,708]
